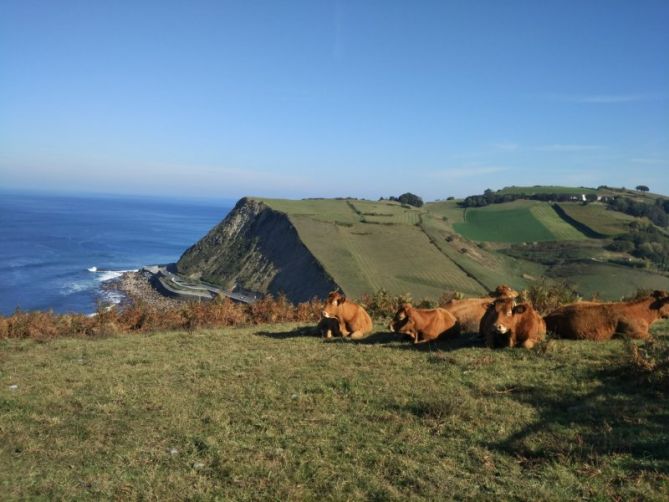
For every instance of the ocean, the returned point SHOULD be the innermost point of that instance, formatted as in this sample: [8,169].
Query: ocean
[57,251]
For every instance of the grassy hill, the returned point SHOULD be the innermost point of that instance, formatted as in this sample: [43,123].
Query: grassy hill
[518,221]
[268,413]
[598,218]
[363,246]
[368,245]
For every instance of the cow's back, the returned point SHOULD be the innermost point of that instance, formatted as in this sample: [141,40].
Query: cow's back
[468,313]
[432,323]
[356,318]
[584,321]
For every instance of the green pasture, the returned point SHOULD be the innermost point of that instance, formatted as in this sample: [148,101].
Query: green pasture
[448,211]
[488,267]
[368,245]
[386,213]
[597,217]
[399,258]
[608,281]
[518,221]
[271,413]
[327,210]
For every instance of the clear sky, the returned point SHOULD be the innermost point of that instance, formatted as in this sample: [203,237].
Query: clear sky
[332,98]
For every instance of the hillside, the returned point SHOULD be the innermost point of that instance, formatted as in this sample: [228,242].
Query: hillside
[258,249]
[267,413]
[308,247]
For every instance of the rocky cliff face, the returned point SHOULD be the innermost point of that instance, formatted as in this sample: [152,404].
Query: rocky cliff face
[257,248]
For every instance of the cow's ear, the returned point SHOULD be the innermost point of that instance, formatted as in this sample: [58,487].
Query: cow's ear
[519,309]
[342,299]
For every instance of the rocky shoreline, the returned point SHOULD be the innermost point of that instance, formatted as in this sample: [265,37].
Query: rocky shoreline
[135,287]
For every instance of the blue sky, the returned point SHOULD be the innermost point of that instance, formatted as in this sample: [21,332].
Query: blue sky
[332,98]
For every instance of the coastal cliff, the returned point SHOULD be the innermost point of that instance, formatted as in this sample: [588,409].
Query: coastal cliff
[257,248]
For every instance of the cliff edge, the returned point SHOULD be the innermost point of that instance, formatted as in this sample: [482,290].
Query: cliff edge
[257,248]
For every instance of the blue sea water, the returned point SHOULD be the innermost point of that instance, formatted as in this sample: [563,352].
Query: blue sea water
[56,251]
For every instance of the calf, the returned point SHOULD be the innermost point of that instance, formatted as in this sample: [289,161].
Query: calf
[422,325]
[329,327]
[600,321]
[354,321]
[506,324]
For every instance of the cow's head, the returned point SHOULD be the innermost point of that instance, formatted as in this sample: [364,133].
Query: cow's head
[333,305]
[661,303]
[502,315]
[329,327]
[402,322]
[504,291]
[400,318]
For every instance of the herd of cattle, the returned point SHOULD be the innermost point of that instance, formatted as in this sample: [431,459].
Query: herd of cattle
[501,320]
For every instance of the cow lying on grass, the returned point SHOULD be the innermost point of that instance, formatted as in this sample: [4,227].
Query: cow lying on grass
[354,321]
[600,321]
[422,325]
[470,311]
[506,324]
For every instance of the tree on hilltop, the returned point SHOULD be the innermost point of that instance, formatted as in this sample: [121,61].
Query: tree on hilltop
[642,188]
[411,199]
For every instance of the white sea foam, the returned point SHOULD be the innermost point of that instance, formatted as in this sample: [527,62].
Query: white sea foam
[108,275]
[75,287]
[92,269]
[113,297]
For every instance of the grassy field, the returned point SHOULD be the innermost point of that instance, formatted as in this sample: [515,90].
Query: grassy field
[598,218]
[268,413]
[488,267]
[448,211]
[560,229]
[518,221]
[368,245]
[398,258]
[327,210]
[608,281]
[385,213]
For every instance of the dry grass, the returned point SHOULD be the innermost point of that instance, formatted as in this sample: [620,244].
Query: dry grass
[141,317]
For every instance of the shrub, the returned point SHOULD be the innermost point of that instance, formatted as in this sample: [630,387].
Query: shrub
[650,362]
[141,317]
[382,305]
[547,296]
[448,296]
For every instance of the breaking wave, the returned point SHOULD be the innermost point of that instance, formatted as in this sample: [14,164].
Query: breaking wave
[108,275]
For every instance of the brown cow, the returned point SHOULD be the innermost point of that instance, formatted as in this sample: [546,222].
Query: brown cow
[470,311]
[506,324]
[422,325]
[600,321]
[354,321]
